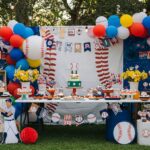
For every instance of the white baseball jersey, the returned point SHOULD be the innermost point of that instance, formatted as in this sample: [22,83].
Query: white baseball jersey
[10,109]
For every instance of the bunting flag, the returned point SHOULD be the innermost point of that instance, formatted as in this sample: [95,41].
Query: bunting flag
[79,120]
[68,46]
[77,48]
[68,120]
[50,55]
[87,47]
[71,31]
[62,33]
[59,45]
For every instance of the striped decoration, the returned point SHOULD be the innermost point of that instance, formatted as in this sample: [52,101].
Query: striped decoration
[51,107]
[101,61]
[50,56]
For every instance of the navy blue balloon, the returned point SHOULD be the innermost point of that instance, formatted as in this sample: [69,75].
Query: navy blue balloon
[111,31]
[114,20]
[10,71]
[146,22]
[23,64]
[16,54]
[28,32]
[20,29]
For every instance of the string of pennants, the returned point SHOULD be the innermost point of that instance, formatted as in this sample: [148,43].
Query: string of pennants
[76,47]
[52,117]
[69,119]
[86,46]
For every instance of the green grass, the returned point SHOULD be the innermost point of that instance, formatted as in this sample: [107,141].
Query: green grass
[88,137]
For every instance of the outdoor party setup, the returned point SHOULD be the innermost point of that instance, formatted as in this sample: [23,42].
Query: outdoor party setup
[76,75]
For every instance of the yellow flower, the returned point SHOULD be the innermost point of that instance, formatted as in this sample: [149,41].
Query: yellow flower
[131,74]
[29,75]
[144,75]
[134,75]
[124,75]
[24,78]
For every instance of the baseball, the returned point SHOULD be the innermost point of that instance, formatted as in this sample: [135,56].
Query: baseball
[78,119]
[34,47]
[55,117]
[124,133]
[91,118]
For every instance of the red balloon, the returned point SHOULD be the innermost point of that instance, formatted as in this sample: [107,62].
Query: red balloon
[99,31]
[29,135]
[145,34]
[6,33]
[16,40]
[33,90]
[15,94]
[137,29]
[12,86]
[9,60]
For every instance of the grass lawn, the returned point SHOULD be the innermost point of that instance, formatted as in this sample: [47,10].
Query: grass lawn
[87,137]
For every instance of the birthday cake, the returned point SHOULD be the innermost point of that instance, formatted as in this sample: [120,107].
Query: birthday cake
[74,80]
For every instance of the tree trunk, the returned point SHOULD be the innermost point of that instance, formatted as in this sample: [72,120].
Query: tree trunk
[21,10]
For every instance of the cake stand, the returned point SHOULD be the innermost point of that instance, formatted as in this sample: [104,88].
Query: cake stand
[74,90]
[24,93]
[107,92]
[129,94]
[51,91]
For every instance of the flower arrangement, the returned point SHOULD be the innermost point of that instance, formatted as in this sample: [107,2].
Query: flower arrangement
[134,75]
[26,76]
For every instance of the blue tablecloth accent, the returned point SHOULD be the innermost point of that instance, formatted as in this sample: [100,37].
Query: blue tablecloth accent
[113,120]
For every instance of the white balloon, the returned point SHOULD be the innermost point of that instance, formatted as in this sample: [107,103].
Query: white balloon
[34,47]
[143,15]
[148,41]
[138,17]
[12,23]
[102,20]
[135,17]
[123,33]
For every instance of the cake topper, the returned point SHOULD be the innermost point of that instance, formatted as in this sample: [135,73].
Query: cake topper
[74,68]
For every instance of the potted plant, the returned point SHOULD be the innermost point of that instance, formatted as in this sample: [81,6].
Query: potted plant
[25,77]
[133,76]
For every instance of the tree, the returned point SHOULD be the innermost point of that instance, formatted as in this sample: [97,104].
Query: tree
[24,9]
[6,10]
[86,11]
[66,12]
[148,6]
[48,12]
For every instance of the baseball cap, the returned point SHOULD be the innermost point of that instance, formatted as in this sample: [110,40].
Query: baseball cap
[8,100]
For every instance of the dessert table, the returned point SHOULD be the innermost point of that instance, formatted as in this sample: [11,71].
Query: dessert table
[95,103]
[80,101]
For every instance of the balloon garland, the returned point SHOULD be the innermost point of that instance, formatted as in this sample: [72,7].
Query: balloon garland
[137,25]
[26,52]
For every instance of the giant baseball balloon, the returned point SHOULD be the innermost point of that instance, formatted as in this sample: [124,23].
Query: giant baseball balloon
[34,47]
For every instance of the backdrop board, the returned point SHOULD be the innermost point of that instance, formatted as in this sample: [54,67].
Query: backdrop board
[97,60]
[73,45]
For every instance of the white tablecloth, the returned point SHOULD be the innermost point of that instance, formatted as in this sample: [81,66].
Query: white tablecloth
[79,107]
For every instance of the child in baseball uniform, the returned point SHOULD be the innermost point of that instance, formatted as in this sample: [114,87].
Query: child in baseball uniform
[8,112]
